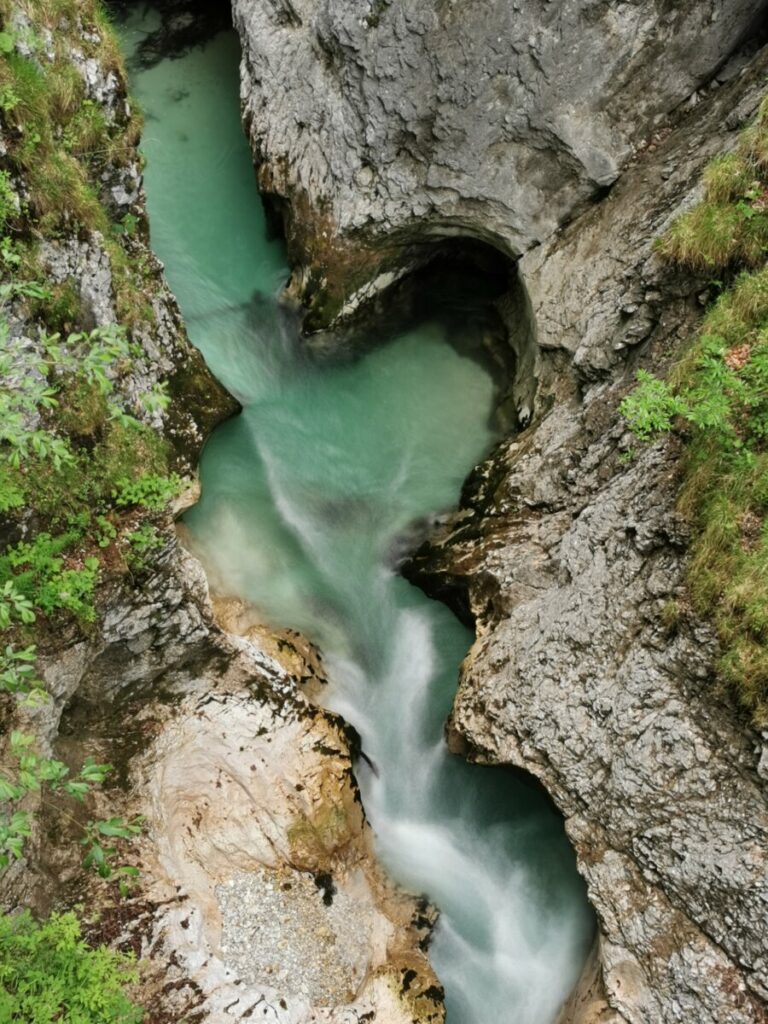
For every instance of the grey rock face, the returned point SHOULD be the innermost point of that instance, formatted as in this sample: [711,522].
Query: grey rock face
[589,671]
[497,119]
[503,122]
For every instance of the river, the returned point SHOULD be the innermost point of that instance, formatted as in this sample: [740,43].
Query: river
[305,498]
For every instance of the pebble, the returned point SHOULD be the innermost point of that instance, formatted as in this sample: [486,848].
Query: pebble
[277,931]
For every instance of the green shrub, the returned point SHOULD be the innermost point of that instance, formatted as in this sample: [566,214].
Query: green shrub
[50,975]
[37,571]
[147,491]
[651,407]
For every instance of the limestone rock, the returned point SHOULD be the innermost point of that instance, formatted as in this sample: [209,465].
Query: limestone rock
[569,555]
[386,124]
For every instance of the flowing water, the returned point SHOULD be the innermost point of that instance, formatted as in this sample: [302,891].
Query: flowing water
[304,497]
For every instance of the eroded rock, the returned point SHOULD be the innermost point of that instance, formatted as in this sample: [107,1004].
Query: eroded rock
[385,125]
[257,835]
[589,669]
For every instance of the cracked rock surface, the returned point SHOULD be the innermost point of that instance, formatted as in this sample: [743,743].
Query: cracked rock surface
[569,554]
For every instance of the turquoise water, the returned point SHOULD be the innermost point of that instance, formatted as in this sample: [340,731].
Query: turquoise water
[305,497]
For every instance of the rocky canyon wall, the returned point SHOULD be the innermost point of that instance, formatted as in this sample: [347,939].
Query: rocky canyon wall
[568,135]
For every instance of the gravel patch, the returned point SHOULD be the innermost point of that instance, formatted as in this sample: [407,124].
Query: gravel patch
[280,929]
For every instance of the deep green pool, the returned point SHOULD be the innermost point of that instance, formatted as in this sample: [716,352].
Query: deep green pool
[304,497]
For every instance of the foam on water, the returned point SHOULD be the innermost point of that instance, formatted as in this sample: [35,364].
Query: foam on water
[304,496]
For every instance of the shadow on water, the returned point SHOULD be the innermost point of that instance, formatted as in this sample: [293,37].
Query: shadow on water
[306,498]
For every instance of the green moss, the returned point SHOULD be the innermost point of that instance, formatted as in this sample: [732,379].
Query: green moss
[60,308]
[133,280]
[106,454]
[717,398]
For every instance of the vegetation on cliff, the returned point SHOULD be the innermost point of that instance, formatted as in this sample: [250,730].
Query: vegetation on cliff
[85,478]
[48,973]
[717,398]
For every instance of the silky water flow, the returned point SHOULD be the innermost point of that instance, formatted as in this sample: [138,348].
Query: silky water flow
[305,495]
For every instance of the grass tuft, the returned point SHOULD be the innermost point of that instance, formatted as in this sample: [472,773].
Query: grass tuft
[729,228]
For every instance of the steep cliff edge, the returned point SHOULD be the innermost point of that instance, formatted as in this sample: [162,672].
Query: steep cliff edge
[385,132]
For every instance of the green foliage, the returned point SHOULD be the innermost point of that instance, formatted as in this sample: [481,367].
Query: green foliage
[7,199]
[18,675]
[128,224]
[730,227]
[38,571]
[717,398]
[142,541]
[68,447]
[27,773]
[106,531]
[156,399]
[30,773]
[60,308]
[651,407]
[27,387]
[49,975]
[14,605]
[148,491]
[101,853]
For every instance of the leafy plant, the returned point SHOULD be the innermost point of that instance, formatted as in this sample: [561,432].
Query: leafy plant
[18,675]
[106,531]
[14,606]
[7,198]
[36,573]
[156,399]
[148,491]
[651,407]
[101,853]
[31,773]
[49,975]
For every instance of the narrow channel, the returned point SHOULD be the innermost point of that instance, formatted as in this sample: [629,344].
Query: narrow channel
[305,497]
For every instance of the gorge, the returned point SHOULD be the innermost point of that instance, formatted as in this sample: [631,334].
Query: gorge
[303,498]
[464,204]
